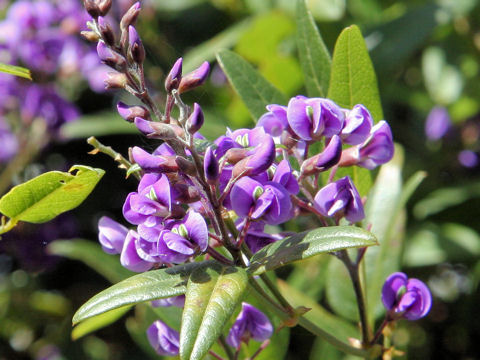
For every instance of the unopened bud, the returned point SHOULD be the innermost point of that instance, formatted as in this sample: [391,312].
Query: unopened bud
[195,120]
[135,47]
[210,166]
[130,16]
[329,157]
[115,80]
[185,194]
[155,130]
[104,7]
[106,31]
[109,57]
[186,166]
[92,8]
[195,78]
[174,76]
[129,113]
[90,36]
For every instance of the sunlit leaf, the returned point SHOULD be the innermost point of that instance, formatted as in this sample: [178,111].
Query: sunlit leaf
[98,322]
[16,71]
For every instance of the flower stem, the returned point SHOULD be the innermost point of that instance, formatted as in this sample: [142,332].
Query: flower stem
[225,346]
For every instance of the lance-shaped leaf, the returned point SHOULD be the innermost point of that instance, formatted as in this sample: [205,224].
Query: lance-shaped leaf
[50,194]
[255,91]
[212,294]
[314,56]
[353,81]
[16,71]
[151,285]
[307,244]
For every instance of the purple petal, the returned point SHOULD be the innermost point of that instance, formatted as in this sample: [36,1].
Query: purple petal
[111,235]
[298,119]
[129,257]
[163,339]
[391,287]
[241,195]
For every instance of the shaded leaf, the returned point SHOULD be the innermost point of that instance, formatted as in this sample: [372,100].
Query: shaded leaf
[151,285]
[98,322]
[309,243]
[212,294]
[255,91]
[48,195]
[92,255]
[314,56]
[16,71]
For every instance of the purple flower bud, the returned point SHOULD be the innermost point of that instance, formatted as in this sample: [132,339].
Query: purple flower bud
[437,123]
[129,257]
[195,120]
[154,163]
[92,8]
[163,339]
[174,76]
[195,78]
[107,33]
[258,160]
[130,16]
[104,7]
[251,323]
[468,158]
[340,198]
[405,298]
[329,157]
[115,80]
[135,47]
[210,165]
[154,129]
[129,113]
[110,58]
[111,235]
[357,126]
[378,148]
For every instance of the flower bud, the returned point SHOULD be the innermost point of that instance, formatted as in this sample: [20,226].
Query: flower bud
[186,166]
[106,31]
[155,130]
[130,16]
[115,80]
[92,8]
[154,163]
[163,339]
[129,113]
[104,7]
[195,78]
[329,157]
[135,47]
[90,36]
[251,323]
[185,194]
[174,76]
[195,120]
[110,58]
[210,166]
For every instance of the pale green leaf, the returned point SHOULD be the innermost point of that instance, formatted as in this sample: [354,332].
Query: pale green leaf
[16,71]
[98,322]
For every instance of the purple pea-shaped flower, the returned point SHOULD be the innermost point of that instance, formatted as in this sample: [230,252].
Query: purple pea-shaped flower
[251,323]
[437,124]
[405,298]
[340,198]
[357,126]
[111,235]
[163,339]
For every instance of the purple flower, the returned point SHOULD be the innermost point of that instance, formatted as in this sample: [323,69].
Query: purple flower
[251,323]
[437,123]
[407,298]
[163,339]
[340,198]
[467,158]
[9,142]
[357,126]
[329,157]
[275,120]
[315,117]
[256,238]
[111,235]
[378,148]
[269,202]
[129,257]
[177,301]
[283,176]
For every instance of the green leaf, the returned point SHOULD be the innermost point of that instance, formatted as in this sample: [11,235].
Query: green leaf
[353,81]
[92,255]
[207,50]
[307,244]
[314,56]
[15,70]
[48,195]
[212,294]
[255,91]
[318,315]
[151,285]
[98,322]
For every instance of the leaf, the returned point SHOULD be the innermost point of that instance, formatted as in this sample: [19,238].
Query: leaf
[353,80]
[212,294]
[98,322]
[99,124]
[324,319]
[255,91]
[151,285]
[309,243]
[314,56]
[48,195]
[339,291]
[92,255]
[16,71]
[207,50]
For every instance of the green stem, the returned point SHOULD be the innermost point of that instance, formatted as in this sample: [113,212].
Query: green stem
[276,293]
[227,349]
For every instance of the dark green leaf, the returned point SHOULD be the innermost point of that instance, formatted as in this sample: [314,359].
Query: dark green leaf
[307,244]
[212,294]
[15,70]
[255,91]
[92,255]
[50,194]
[151,285]
[314,56]
[98,322]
